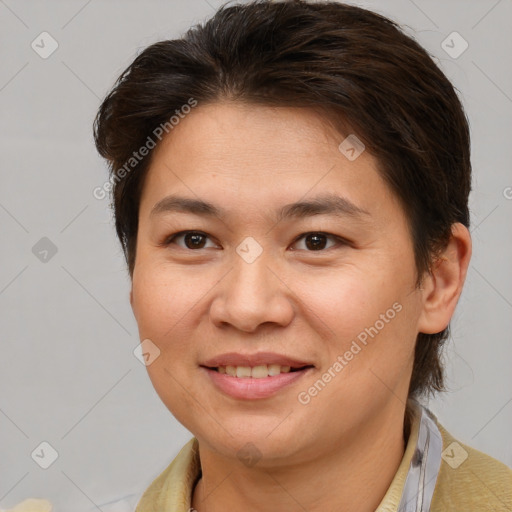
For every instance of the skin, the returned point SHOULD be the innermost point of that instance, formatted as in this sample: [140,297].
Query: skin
[309,304]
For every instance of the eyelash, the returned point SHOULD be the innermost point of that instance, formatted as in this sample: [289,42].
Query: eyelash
[171,239]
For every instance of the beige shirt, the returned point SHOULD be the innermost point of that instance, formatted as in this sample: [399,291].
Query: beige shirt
[468,480]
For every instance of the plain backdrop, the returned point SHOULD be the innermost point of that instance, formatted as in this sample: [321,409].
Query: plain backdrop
[68,374]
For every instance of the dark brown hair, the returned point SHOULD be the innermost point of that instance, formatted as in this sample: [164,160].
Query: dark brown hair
[352,65]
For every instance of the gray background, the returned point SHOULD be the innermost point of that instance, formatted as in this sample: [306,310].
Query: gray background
[68,373]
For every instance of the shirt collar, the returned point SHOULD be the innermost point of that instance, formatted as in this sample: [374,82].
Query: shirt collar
[412,487]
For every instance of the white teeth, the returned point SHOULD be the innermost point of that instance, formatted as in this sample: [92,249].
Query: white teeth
[274,369]
[243,371]
[256,372]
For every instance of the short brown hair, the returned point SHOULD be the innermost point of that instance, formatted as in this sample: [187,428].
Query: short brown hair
[355,67]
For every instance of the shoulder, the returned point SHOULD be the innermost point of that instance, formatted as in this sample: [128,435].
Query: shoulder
[470,480]
[172,489]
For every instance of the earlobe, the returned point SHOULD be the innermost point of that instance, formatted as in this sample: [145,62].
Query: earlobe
[443,287]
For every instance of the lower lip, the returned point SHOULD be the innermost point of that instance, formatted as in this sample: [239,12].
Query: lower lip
[250,388]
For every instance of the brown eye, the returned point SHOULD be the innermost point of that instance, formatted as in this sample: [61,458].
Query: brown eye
[192,239]
[317,241]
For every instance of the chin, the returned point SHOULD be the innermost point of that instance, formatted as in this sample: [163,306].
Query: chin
[250,442]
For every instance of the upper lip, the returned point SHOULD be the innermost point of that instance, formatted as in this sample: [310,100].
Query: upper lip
[260,358]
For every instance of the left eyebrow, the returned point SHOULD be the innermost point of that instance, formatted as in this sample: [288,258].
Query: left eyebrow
[326,204]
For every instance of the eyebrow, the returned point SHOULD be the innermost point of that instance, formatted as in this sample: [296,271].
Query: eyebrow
[326,204]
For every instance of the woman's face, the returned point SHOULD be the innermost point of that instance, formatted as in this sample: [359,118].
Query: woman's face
[329,286]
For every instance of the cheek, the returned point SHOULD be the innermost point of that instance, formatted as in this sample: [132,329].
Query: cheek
[367,318]
[348,300]
[161,297]
[169,306]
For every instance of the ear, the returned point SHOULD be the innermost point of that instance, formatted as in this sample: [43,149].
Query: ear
[131,297]
[442,288]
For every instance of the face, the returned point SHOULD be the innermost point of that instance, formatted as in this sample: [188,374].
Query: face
[328,287]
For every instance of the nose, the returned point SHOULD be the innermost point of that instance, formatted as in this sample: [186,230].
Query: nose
[250,295]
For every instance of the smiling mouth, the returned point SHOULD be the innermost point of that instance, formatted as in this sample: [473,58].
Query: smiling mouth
[256,372]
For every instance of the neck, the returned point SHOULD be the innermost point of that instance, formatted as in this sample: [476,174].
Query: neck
[352,476]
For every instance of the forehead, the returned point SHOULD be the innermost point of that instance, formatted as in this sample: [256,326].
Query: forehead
[255,155]
[232,133]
